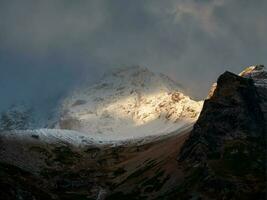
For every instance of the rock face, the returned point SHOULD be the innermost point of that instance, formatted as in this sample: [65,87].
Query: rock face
[225,155]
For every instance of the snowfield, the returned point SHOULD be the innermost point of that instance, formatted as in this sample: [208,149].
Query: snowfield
[79,139]
[128,103]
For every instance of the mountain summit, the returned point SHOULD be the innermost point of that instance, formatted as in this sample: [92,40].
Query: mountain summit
[129,102]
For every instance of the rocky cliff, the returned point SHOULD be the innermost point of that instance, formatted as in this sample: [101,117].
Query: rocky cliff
[225,155]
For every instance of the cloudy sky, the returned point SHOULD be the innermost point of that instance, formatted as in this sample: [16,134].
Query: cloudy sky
[48,46]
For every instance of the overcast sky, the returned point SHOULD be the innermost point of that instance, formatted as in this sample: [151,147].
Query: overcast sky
[47,46]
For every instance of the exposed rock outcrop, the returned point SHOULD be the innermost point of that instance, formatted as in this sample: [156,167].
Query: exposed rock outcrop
[225,155]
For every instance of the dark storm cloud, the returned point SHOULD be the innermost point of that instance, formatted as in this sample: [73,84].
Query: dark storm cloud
[48,46]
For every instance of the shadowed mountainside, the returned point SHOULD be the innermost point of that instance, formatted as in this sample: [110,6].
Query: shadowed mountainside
[225,155]
[34,167]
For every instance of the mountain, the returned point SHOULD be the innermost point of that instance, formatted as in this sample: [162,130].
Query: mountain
[129,102]
[126,132]
[225,155]
[16,117]
[122,141]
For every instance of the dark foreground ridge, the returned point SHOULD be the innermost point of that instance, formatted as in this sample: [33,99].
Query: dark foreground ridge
[225,155]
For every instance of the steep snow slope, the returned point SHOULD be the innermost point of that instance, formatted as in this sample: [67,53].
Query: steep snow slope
[129,103]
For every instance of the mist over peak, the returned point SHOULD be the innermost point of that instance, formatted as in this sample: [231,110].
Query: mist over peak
[49,47]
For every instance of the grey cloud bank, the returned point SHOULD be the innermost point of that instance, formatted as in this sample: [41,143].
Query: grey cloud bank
[46,47]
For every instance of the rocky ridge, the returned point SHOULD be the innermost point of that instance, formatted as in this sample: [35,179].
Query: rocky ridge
[225,155]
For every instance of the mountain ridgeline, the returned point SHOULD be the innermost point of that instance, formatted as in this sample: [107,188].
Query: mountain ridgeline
[135,135]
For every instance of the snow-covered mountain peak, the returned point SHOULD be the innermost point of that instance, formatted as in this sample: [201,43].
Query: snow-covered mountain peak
[137,77]
[129,102]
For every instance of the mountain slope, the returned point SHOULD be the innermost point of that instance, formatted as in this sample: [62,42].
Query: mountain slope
[225,155]
[129,103]
[129,128]
[62,164]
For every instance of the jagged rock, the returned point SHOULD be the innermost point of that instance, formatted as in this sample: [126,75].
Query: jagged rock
[257,73]
[225,155]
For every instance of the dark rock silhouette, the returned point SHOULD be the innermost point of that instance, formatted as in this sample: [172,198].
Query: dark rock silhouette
[225,155]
